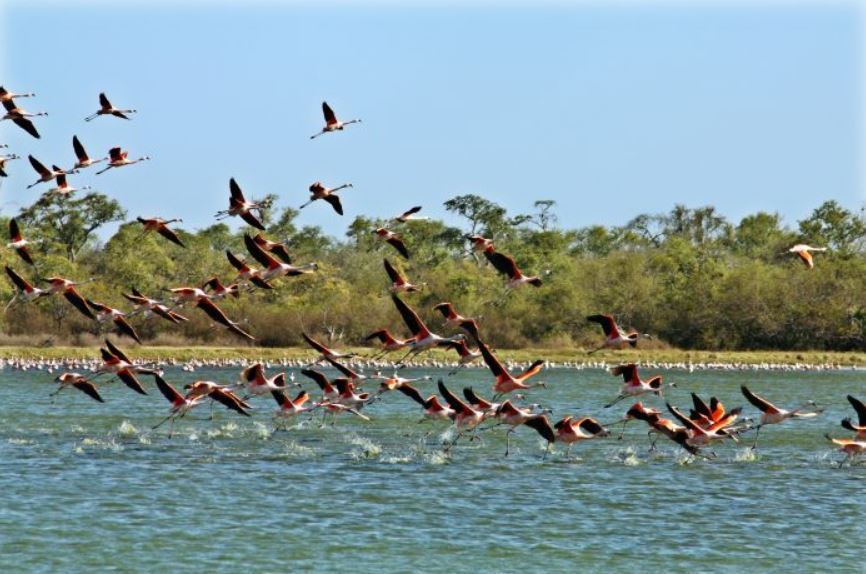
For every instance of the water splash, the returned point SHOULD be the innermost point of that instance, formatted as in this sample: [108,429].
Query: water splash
[366,447]
[746,454]
[126,429]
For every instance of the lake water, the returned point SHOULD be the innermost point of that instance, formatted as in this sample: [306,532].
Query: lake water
[89,487]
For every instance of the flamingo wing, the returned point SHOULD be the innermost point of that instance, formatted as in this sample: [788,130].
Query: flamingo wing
[410,317]
[760,403]
[334,200]
[259,254]
[27,126]
[169,392]
[412,393]
[103,101]
[170,235]
[125,328]
[330,116]
[491,361]
[608,325]
[451,399]
[78,302]
[393,274]
[88,389]
[130,380]
[860,408]
[316,345]
[398,244]
[115,352]
[541,425]
[17,280]
[37,165]
[502,263]
[80,152]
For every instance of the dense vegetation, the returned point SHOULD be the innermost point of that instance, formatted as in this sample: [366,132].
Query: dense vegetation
[689,277]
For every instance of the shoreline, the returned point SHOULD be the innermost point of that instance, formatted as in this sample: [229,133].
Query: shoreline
[667,358]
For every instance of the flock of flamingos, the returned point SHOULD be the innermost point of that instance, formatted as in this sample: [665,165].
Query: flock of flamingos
[705,423]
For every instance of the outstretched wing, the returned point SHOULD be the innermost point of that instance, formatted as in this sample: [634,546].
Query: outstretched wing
[334,200]
[760,403]
[78,302]
[88,389]
[330,116]
[17,280]
[168,391]
[27,126]
[80,152]
[393,274]
[410,317]
[452,400]
[860,408]
[608,325]
[502,263]
[398,244]
[412,393]
[490,360]
[259,254]
[112,348]
[252,220]
[170,235]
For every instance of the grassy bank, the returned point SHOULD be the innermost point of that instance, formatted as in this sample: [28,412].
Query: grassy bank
[186,353]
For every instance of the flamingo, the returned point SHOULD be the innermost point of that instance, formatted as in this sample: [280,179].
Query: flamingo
[67,288]
[115,362]
[665,427]
[287,407]
[84,160]
[480,243]
[633,385]
[347,396]
[329,194]
[19,117]
[3,160]
[395,382]
[465,354]
[513,416]
[423,338]
[220,291]
[465,417]
[700,435]
[325,352]
[346,371]
[218,393]
[506,266]
[238,205]
[106,109]
[118,158]
[161,226]
[771,414]
[389,343]
[148,305]
[18,242]
[570,431]
[45,174]
[331,122]
[63,187]
[329,391]
[203,301]
[614,336]
[505,381]
[433,409]
[255,381]
[392,239]
[410,215]
[278,249]
[6,95]
[118,317]
[23,288]
[77,381]
[454,319]
[851,447]
[273,267]
[804,253]
[180,405]
[247,273]
[399,283]
[860,427]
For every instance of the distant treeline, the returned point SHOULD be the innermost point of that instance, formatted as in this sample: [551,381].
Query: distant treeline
[689,277]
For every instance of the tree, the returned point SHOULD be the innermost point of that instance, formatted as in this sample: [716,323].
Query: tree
[70,222]
[483,214]
[834,226]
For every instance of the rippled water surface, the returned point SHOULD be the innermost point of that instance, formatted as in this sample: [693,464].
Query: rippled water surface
[89,487]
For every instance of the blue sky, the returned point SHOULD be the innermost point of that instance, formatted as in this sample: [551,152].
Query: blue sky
[612,110]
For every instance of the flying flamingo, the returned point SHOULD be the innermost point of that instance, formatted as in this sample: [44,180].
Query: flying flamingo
[332,124]
[433,409]
[115,362]
[106,109]
[203,301]
[6,95]
[255,381]
[217,393]
[614,336]
[389,343]
[180,405]
[329,391]
[238,205]
[851,447]
[247,273]
[23,288]
[347,396]
[570,431]
[220,291]
[118,317]
[325,352]
[3,160]
[67,288]
[45,174]
[513,416]
[84,160]
[347,372]
[399,283]
[771,414]
[410,215]
[161,226]
[392,239]
[278,249]
[19,117]
[18,242]
[465,417]
[702,436]
[148,305]
[466,356]
[454,319]
[287,407]
[423,338]
[118,158]
[860,427]
[329,194]
[506,266]
[273,267]
[505,381]
[63,187]
[480,243]
[633,385]
[395,382]
[804,253]
[77,381]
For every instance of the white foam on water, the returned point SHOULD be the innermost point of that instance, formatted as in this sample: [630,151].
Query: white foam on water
[126,429]
[747,454]
[21,441]
[366,447]
[261,431]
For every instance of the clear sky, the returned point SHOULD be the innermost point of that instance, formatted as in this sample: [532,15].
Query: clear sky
[611,109]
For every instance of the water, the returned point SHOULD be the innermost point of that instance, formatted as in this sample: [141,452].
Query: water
[88,487]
